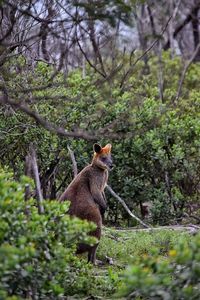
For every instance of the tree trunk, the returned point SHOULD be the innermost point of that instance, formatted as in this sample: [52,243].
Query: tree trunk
[195,28]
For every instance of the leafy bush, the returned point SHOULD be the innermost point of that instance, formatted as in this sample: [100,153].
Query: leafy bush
[37,255]
[37,252]
[155,277]
[156,155]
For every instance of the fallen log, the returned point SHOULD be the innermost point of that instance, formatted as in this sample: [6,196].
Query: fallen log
[192,229]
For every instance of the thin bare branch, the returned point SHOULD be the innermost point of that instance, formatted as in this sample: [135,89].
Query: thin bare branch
[185,69]
[27,187]
[74,163]
[183,24]
[160,72]
[87,59]
[79,133]
[130,70]
[37,180]
[126,207]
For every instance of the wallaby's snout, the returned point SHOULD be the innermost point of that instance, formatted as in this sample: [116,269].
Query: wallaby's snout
[110,164]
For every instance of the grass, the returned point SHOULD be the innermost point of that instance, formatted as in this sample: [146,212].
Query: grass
[124,246]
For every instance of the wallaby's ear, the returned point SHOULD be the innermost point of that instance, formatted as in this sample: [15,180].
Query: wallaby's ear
[108,147]
[97,148]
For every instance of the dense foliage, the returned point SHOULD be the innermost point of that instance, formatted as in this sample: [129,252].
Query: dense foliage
[37,252]
[38,261]
[156,154]
[155,277]
[71,74]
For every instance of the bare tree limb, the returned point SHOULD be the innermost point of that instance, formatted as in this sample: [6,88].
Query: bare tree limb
[126,207]
[28,13]
[171,25]
[13,21]
[27,187]
[160,72]
[183,24]
[87,59]
[186,67]
[78,134]
[74,163]
[45,123]
[37,180]
[128,73]
[151,21]
[95,45]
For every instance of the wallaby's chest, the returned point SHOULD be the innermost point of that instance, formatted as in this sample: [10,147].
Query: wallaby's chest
[100,179]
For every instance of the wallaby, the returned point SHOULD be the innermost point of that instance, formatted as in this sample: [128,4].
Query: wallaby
[86,194]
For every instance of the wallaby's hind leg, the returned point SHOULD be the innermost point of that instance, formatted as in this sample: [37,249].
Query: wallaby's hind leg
[92,254]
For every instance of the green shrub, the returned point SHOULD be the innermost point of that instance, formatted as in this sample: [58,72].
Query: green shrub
[156,277]
[156,155]
[37,252]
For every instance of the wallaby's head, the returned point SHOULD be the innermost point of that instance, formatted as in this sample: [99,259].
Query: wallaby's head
[102,156]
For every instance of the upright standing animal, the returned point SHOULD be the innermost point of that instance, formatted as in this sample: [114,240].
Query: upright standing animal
[86,194]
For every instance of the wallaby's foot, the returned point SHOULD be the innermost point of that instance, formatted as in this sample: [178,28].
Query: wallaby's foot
[109,260]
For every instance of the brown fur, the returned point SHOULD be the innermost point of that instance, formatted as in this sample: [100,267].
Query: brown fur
[86,193]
